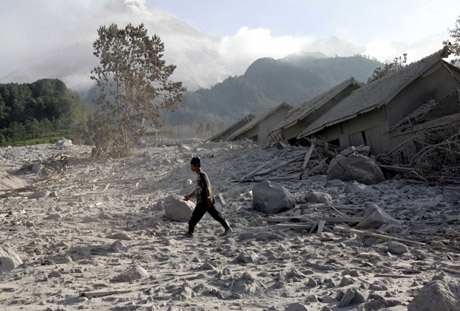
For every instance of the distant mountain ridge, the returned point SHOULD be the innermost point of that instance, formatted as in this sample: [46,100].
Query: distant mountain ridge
[267,83]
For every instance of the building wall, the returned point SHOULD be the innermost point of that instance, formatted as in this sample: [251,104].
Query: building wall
[369,129]
[269,123]
[436,85]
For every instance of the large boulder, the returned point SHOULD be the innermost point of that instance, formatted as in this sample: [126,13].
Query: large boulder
[177,209]
[8,259]
[437,295]
[374,217]
[271,198]
[355,167]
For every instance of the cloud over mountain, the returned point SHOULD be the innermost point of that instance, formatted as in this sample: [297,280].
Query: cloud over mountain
[48,38]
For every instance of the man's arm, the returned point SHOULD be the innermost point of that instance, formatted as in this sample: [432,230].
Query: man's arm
[208,194]
[191,195]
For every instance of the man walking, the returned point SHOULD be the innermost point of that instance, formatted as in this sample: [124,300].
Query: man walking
[204,200]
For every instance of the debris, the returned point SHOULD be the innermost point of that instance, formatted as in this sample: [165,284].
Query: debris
[318,197]
[10,182]
[374,217]
[437,295]
[376,235]
[135,273]
[103,293]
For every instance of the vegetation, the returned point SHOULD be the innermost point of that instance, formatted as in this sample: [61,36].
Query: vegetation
[39,112]
[397,64]
[134,85]
[454,47]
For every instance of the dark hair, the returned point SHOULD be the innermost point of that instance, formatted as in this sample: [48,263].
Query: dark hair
[196,161]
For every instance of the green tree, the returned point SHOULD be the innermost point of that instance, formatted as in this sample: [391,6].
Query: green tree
[133,80]
[16,131]
[397,64]
[33,127]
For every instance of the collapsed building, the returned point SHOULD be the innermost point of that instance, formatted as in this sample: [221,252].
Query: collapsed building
[400,115]
[386,113]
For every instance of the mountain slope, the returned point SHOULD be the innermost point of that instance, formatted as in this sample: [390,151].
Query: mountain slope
[266,83]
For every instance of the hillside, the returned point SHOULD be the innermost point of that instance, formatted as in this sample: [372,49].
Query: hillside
[268,82]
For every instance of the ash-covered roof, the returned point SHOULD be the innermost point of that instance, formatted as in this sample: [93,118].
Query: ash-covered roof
[374,95]
[314,104]
[258,120]
[235,126]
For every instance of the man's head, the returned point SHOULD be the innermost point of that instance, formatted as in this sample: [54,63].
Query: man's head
[195,163]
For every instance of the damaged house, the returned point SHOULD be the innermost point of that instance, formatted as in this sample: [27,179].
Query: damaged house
[258,128]
[223,135]
[299,117]
[387,112]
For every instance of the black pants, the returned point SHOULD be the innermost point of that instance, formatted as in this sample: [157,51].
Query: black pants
[198,213]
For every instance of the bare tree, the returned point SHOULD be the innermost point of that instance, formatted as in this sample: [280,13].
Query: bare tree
[454,47]
[397,64]
[133,80]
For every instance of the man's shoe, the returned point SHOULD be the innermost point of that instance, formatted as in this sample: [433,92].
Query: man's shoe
[188,235]
[226,232]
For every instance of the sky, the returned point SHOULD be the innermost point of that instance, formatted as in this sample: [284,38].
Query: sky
[225,36]
[358,21]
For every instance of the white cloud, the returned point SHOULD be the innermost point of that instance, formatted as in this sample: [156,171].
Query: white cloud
[49,38]
[386,50]
[247,45]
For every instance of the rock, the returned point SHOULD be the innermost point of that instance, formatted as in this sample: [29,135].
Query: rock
[318,197]
[118,247]
[360,189]
[246,285]
[437,295]
[64,143]
[176,209]
[353,296]
[9,260]
[374,217]
[397,248]
[271,198]
[355,167]
[247,257]
[135,273]
[311,282]
[39,195]
[120,236]
[296,307]
[346,281]
[337,183]
[347,298]
[54,216]
[268,236]
[391,228]
[380,303]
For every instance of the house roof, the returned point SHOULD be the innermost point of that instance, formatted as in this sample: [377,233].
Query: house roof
[235,126]
[314,104]
[374,95]
[258,120]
